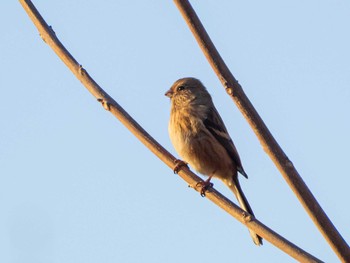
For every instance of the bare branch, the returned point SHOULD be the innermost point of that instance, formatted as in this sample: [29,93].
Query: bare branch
[111,105]
[270,145]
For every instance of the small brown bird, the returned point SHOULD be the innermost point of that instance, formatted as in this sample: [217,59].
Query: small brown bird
[201,139]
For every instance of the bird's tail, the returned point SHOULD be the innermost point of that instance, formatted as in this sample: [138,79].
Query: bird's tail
[243,202]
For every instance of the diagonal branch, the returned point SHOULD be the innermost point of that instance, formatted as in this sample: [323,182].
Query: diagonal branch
[111,105]
[270,145]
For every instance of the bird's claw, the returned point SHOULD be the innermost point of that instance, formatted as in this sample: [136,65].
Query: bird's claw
[204,186]
[178,165]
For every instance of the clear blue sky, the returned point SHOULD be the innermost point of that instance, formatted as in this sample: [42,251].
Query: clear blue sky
[76,186]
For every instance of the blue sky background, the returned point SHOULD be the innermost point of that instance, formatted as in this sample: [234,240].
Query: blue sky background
[76,186]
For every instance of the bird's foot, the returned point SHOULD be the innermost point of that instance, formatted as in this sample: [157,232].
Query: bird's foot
[178,165]
[204,186]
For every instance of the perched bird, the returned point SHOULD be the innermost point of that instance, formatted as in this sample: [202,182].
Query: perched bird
[200,137]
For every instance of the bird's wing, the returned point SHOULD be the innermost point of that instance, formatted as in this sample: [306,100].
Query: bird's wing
[217,128]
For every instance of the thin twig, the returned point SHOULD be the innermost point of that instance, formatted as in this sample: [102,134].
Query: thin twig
[270,145]
[111,105]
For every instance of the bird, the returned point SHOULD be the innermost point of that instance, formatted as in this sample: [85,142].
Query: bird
[200,137]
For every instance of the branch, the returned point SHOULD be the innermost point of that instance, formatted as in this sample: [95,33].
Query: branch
[111,105]
[270,145]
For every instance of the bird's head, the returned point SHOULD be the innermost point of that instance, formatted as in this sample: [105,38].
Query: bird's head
[188,91]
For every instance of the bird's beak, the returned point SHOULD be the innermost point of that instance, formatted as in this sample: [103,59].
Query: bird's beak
[169,93]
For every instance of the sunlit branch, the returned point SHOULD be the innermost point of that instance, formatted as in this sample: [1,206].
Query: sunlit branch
[268,142]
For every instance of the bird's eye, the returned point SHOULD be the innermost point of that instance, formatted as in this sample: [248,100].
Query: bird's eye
[179,88]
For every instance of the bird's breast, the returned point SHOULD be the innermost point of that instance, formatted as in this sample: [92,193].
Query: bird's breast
[196,146]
